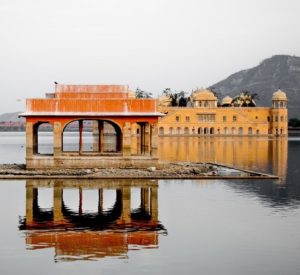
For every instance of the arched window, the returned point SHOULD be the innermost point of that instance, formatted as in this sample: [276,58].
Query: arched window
[257,132]
[161,131]
[178,131]
[199,131]
[240,131]
[281,131]
[250,131]
[186,131]
[212,131]
[233,130]
[206,131]
[225,131]
[171,132]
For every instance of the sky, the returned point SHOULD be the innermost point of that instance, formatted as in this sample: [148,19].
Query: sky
[157,44]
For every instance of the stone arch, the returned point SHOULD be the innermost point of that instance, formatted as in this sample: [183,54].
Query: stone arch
[103,136]
[161,131]
[225,131]
[206,131]
[171,131]
[43,138]
[186,131]
[212,131]
[250,131]
[178,131]
[200,131]
[233,131]
[240,130]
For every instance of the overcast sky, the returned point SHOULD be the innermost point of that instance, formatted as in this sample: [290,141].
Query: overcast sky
[181,44]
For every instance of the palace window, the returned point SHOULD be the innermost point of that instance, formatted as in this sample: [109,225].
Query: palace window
[187,118]
[177,118]
[206,117]
[234,118]
[224,118]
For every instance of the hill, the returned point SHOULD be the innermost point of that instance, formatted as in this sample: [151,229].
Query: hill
[279,71]
[11,117]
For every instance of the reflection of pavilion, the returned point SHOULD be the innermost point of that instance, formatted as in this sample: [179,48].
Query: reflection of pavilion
[80,235]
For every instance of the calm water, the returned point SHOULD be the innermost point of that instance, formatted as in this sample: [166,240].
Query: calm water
[162,227]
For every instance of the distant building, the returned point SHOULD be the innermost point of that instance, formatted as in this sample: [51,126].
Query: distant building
[235,117]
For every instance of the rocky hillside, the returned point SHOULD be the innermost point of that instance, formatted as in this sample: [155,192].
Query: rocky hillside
[279,71]
[11,117]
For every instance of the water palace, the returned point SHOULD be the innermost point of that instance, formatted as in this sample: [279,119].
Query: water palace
[125,129]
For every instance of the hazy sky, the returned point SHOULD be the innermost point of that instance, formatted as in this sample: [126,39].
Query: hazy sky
[181,44]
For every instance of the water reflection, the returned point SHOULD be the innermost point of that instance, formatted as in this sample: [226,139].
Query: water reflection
[82,235]
[262,154]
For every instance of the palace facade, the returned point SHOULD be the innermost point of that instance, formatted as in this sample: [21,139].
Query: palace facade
[203,116]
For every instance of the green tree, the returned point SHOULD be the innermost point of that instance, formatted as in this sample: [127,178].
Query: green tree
[139,93]
[245,99]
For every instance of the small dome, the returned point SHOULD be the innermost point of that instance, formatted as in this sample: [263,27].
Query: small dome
[226,100]
[279,95]
[165,100]
[204,95]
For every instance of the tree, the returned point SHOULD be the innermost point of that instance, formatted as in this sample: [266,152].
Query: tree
[294,122]
[245,99]
[142,94]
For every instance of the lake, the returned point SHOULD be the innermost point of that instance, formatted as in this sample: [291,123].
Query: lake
[158,226]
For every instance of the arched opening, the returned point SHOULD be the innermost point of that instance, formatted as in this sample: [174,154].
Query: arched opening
[92,136]
[206,131]
[250,131]
[257,132]
[161,131]
[233,131]
[186,131]
[43,138]
[200,131]
[171,131]
[281,131]
[225,131]
[240,131]
[212,131]
[178,130]
[193,131]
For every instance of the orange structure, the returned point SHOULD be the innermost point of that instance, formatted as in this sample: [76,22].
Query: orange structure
[106,108]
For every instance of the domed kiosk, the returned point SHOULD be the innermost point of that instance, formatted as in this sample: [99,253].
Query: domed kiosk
[204,98]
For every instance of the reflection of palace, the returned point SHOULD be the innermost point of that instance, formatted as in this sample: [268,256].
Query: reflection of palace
[92,235]
[263,154]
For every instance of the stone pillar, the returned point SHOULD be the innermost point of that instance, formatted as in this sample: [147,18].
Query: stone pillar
[96,137]
[57,204]
[126,144]
[100,200]
[57,139]
[154,139]
[80,202]
[147,144]
[154,204]
[30,141]
[31,196]
[101,136]
[80,135]
[145,199]
[126,205]
[142,138]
